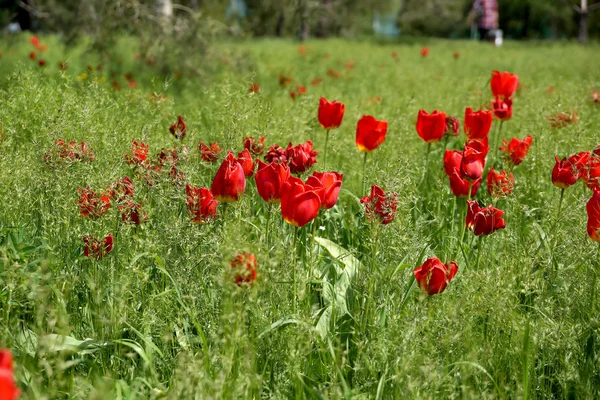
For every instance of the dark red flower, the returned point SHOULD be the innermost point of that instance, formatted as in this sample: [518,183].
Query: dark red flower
[254,87]
[97,248]
[255,146]
[178,129]
[502,108]
[284,80]
[503,84]
[167,157]
[276,154]
[330,113]
[244,269]
[593,211]
[562,119]
[301,157]
[32,56]
[300,203]
[120,190]
[42,63]
[201,204]
[270,179]
[316,81]
[328,185]
[132,213]
[473,159]
[500,184]
[380,206]
[8,387]
[456,55]
[567,171]
[591,171]
[229,182]
[452,126]
[596,97]
[370,133]
[138,154]
[484,221]
[433,276]
[459,184]
[245,160]
[424,52]
[477,124]
[209,154]
[91,205]
[431,127]
[516,149]
[333,73]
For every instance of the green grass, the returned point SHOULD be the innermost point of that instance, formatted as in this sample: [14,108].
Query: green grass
[159,316]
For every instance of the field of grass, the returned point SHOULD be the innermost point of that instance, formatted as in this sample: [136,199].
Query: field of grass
[334,311]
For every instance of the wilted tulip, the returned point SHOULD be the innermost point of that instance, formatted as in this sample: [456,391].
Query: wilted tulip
[433,276]
[244,267]
[276,154]
[500,184]
[138,154]
[97,248]
[91,205]
[483,221]
[255,146]
[516,149]
[178,129]
[201,204]
[132,213]
[209,154]
[380,206]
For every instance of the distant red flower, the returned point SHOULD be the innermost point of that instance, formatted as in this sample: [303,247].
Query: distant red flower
[433,276]
[503,84]
[209,154]
[316,81]
[300,90]
[500,184]
[301,157]
[138,154]
[349,65]
[42,63]
[270,179]
[431,127]
[244,269]
[284,80]
[293,95]
[567,171]
[255,146]
[229,183]
[178,129]
[394,55]
[254,87]
[562,119]
[333,73]
[370,133]
[276,154]
[591,172]
[593,211]
[167,157]
[483,221]
[246,161]
[328,185]
[128,76]
[330,113]
[596,97]
[459,184]
[132,84]
[97,248]
[300,203]
[473,159]
[456,55]
[32,56]
[132,213]
[63,65]
[424,52]
[8,387]
[477,124]
[115,85]
[69,153]
[516,149]
[302,50]
[502,108]
[91,205]
[201,204]
[380,206]
[120,190]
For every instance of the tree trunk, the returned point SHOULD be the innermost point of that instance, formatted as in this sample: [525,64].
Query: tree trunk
[583,23]
[165,8]
[303,28]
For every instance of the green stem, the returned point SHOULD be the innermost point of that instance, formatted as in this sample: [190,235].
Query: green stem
[364,176]
[496,141]
[294,267]
[268,231]
[463,218]
[325,152]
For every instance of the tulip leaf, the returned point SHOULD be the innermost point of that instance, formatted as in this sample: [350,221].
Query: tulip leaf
[278,324]
[62,343]
[324,322]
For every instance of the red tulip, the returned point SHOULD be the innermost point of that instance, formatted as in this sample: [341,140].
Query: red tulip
[473,159]
[500,184]
[300,203]
[593,211]
[431,127]
[516,149]
[591,172]
[328,185]
[178,129]
[209,154]
[244,268]
[276,154]
[477,124]
[370,133]
[484,221]
[255,146]
[229,182]
[138,154]
[92,205]
[330,113]
[380,206]
[424,52]
[201,204]
[96,248]
[301,157]
[566,172]
[459,185]
[270,179]
[8,388]
[132,213]
[504,84]
[433,276]
[502,108]
[245,160]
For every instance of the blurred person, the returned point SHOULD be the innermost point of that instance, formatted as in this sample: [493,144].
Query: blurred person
[485,14]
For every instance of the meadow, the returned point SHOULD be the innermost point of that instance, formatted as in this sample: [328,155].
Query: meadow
[334,310]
